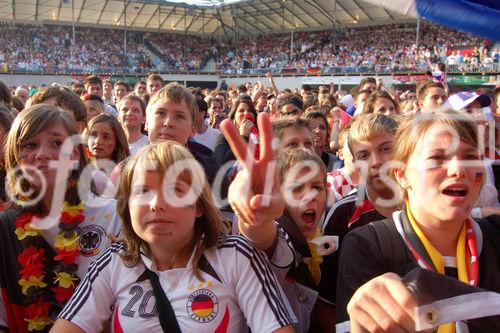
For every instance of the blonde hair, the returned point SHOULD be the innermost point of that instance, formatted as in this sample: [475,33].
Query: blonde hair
[413,130]
[364,127]
[210,228]
[408,105]
[295,156]
[309,101]
[97,105]
[175,93]
[343,134]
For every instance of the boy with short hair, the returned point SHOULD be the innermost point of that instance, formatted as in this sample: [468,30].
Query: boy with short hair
[205,134]
[293,132]
[371,142]
[360,98]
[154,83]
[107,94]
[303,179]
[172,114]
[93,86]
[215,112]
[120,90]
[140,88]
[431,96]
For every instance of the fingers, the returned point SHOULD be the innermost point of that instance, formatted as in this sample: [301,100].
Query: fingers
[356,327]
[391,316]
[405,300]
[247,123]
[383,304]
[237,196]
[364,322]
[265,137]
[265,208]
[244,214]
[263,201]
[238,146]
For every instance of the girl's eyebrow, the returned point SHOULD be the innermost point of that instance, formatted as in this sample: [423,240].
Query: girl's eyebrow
[436,150]
[56,133]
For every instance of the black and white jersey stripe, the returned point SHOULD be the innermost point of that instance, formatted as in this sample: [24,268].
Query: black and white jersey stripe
[83,290]
[268,281]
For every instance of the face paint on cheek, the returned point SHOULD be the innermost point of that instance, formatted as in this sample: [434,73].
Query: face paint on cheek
[478,179]
[22,159]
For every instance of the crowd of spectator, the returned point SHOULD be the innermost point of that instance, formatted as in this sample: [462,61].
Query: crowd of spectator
[50,49]
[172,48]
[380,48]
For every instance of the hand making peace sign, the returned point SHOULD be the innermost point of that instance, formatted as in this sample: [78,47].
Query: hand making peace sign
[255,195]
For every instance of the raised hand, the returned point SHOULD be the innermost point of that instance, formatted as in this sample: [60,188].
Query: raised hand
[254,194]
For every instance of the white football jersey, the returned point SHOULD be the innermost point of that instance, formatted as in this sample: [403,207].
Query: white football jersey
[102,226]
[239,291]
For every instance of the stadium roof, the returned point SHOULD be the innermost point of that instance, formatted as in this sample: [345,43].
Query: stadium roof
[202,16]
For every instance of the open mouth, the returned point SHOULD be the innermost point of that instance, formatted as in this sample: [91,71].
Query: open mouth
[309,216]
[455,191]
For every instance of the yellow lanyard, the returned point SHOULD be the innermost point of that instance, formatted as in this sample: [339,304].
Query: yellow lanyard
[437,259]
[314,263]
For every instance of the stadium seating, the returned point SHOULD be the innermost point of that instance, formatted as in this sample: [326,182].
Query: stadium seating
[381,49]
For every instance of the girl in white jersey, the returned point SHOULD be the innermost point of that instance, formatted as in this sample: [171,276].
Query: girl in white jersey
[176,267]
[53,227]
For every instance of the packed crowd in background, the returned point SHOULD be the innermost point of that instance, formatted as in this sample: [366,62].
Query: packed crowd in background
[154,207]
[50,49]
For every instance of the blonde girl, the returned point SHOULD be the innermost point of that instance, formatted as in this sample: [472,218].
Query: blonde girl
[176,270]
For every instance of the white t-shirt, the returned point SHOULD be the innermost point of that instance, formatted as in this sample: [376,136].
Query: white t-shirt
[451,60]
[101,225]
[135,146]
[208,138]
[239,290]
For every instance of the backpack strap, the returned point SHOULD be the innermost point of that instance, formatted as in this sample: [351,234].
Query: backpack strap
[393,250]
[491,228]
[166,314]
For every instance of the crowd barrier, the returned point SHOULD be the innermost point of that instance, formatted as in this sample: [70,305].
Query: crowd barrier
[326,70]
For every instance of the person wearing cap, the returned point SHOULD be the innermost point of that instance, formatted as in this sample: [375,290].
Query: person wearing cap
[477,106]
[468,100]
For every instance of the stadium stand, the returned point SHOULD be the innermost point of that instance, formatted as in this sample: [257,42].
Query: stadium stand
[380,49]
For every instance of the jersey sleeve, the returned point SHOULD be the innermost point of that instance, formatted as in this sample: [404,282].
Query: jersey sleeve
[258,291]
[92,301]
[283,257]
